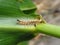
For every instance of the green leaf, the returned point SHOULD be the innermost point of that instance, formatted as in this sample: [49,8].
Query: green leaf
[11,38]
[9,7]
[26,4]
[10,32]
[23,43]
[8,38]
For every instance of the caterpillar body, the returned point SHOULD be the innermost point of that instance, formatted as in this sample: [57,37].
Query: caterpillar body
[30,22]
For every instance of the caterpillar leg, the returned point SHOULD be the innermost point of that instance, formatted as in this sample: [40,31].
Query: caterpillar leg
[35,25]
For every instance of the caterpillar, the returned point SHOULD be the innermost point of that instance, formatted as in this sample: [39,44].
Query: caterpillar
[30,22]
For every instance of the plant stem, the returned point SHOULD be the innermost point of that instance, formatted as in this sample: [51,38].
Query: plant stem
[49,29]
[17,28]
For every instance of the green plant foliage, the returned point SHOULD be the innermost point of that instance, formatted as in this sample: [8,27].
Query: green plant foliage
[10,32]
[26,4]
[24,43]
[8,38]
[9,7]
[13,38]
[13,34]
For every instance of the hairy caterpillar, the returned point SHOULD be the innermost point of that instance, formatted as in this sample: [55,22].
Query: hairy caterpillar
[30,22]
